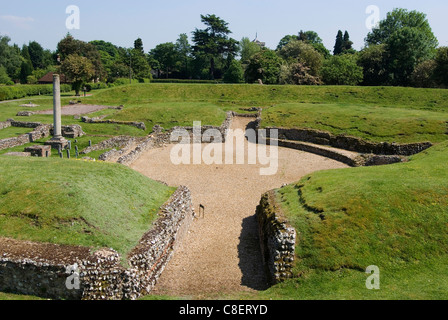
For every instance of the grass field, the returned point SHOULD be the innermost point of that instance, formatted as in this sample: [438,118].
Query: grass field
[77,202]
[394,217]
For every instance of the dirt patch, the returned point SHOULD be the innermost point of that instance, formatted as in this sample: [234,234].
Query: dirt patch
[42,252]
[77,109]
[221,253]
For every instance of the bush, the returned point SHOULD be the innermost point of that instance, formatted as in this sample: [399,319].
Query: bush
[298,74]
[4,78]
[21,91]
[265,66]
[423,75]
[441,69]
[235,73]
[342,70]
[184,81]
[95,86]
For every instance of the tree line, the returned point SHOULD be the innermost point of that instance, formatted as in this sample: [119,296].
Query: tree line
[401,51]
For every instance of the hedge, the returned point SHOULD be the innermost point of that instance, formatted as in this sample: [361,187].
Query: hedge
[186,81]
[21,91]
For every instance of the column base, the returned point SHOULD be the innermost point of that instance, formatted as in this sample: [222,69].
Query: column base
[57,143]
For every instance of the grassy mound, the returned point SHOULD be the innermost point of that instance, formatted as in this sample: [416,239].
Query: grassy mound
[378,114]
[434,99]
[373,123]
[77,202]
[394,217]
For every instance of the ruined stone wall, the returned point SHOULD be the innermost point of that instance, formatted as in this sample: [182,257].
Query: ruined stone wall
[41,269]
[153,141]
[5,124]
[223,130]
[277,239]
[41,131]
[139,125]
[350,143]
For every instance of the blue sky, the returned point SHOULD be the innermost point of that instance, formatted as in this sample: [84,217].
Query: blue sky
[121,22]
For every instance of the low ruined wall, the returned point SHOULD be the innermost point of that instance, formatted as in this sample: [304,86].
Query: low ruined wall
[223,130]
[153,141]
[277,239]
[350,143]
[139,125]
[41,131]
[5,124]
[156,248]
[41,269]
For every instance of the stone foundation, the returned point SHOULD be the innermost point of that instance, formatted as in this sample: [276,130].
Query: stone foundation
[277,239]
[39,151]
[139,125]
[350,143]
[41,269]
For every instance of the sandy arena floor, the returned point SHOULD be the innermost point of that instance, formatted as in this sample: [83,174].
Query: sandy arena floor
[221,253]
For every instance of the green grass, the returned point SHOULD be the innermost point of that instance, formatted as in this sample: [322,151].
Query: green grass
[13,132]
[17,297]
[373,123]
[395,217]
[430,99]
[172,114]
[77,202]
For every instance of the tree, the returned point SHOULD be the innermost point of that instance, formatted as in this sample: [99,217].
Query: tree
[166,55]
[4,78]
[78,69]
[39,57]
[71,46]
[10,57]
[298,74]
[138,46]
[347,43]
[310,37]
[265,66]
[213,42]
[234,73]
[248,49]
[299,51]
[339,44]
[373,60]
[423,75]
[441,67]
[342,70]
[183,49]
[26,69]
[409,41]
[285,40]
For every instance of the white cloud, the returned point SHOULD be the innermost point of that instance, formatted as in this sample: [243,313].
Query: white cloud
[18,22]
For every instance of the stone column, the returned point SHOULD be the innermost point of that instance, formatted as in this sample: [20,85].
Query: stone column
[57,134]
[57,142]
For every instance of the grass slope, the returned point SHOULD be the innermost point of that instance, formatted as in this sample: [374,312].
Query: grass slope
[433,99]
[395,217]
[77,202]
[373,123]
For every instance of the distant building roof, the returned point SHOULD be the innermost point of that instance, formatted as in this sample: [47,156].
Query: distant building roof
[261,44]
[48,78]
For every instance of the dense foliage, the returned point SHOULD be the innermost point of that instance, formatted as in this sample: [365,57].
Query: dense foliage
[400,51]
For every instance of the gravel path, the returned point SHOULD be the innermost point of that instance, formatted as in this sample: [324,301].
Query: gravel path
[221,252]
